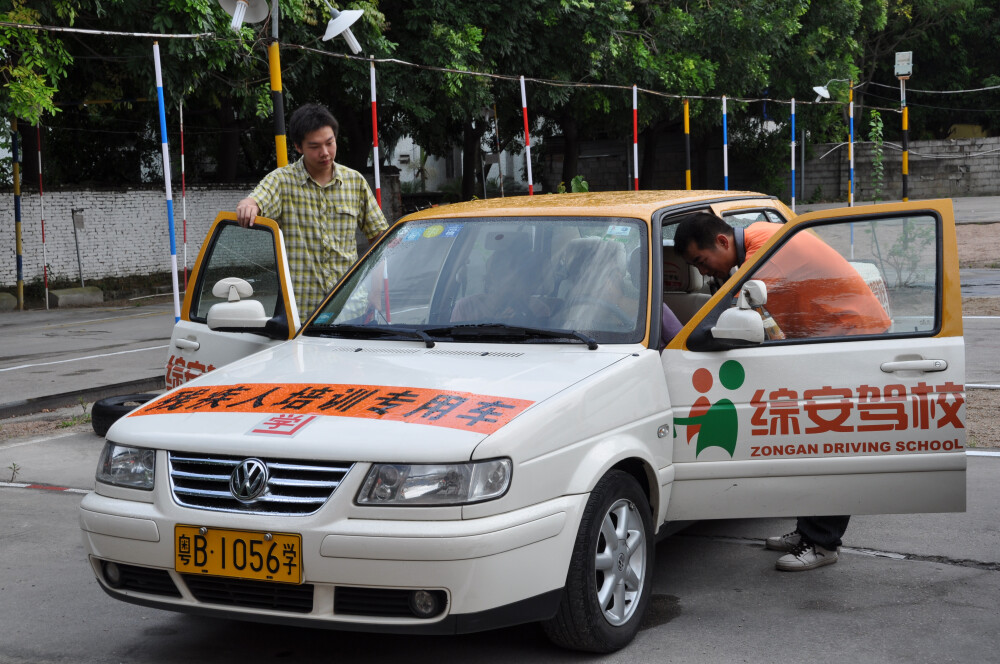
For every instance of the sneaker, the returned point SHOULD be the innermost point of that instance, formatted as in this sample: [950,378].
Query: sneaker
[785,542]
[805,556]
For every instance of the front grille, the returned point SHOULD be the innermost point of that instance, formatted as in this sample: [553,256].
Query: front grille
[294,487]
[251,594]
[144,580]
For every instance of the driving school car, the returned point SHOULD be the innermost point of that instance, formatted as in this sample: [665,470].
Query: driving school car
[479,428]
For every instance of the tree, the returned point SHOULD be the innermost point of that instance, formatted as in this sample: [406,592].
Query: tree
[32,63]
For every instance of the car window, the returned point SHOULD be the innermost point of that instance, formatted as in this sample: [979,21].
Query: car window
[247,253]
[740,219]
[567,273]
[853,278]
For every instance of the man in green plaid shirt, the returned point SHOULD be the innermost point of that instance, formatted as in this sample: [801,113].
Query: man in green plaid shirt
[318,204]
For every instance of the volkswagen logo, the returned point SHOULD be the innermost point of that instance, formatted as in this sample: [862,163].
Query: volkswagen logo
[249,480]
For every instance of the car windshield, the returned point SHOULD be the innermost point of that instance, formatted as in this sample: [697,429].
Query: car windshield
[531,280]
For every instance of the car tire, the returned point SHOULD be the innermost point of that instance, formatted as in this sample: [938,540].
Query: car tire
[106,412]
[608,584]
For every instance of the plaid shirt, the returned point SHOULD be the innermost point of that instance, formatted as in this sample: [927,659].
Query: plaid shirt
[318,223]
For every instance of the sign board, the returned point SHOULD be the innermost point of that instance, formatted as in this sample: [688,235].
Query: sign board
[904,64]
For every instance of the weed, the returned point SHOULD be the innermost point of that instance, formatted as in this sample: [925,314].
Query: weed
[14,470]
[878,163]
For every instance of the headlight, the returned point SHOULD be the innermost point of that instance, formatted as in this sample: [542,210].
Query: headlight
[126,466]
[435,484]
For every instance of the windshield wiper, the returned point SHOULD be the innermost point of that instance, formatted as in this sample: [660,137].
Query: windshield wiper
[502,330]
[363,331]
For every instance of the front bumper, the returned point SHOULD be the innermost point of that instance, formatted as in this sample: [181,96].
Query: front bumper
[492,571]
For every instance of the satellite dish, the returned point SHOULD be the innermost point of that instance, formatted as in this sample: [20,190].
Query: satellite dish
[251,11]
[341,22]
[821,92]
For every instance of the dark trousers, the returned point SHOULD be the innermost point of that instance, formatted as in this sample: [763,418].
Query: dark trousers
[824,531]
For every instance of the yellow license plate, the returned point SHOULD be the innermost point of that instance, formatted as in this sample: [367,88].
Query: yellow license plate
[239,554]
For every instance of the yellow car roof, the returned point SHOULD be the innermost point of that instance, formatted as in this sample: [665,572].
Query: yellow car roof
[640,204]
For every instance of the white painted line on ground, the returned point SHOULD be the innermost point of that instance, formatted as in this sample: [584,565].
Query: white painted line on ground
[980,317]
[983,386]
[110,318]
[43,487]
[985,453]
[39,439]
[88,357]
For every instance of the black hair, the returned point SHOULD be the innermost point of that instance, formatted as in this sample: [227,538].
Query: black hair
[701,228]
[307,119]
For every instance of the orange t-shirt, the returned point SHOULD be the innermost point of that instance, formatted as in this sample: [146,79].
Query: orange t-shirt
[812,291]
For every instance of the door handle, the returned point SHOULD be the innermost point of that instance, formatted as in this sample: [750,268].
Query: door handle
[914,365]
[188,344]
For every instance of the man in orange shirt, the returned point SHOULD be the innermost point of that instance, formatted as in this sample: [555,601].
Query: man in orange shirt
[812,292]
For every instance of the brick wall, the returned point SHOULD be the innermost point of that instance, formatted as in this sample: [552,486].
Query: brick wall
[937,169]
[125,230]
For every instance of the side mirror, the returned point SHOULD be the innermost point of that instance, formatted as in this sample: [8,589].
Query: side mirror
[742,323]
[235,312]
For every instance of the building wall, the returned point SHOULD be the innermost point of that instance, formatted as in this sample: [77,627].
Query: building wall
[125,230]
[937,169]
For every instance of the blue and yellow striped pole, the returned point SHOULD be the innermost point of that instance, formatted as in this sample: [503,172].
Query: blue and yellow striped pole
[166,181]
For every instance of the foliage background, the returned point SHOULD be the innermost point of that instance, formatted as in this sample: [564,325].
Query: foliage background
[756,49]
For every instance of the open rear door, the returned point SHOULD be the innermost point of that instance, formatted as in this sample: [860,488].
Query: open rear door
[861,407]
[255,255]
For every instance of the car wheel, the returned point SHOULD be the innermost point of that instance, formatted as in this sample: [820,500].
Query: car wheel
[106,412]
[611,571]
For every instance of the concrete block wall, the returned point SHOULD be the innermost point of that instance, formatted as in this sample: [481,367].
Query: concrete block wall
[937,169]
[125,230]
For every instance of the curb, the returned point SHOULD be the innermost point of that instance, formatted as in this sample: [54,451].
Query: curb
[37,404]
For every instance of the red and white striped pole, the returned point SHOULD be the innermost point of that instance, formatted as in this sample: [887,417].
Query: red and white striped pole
[527,139]
[635,133]
[378,180]
[184,213]
[41,206]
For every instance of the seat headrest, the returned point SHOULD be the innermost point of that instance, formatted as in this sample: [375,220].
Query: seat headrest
[678,276]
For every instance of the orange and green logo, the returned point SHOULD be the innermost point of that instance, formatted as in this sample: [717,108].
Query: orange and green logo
[715,424]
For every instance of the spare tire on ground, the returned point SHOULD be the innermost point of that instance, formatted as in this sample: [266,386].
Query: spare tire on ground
[106,412]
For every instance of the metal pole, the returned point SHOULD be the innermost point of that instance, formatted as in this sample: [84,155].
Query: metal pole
[375,159]
[16,158]
[850,147]
[687,145]
[635,133]
[41,206]
[527,138]
[793,155]
[184,213]
[277,98]
[906,139]
[725,147]
[802,167]
[496,129]
[76,239]
[166,180]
